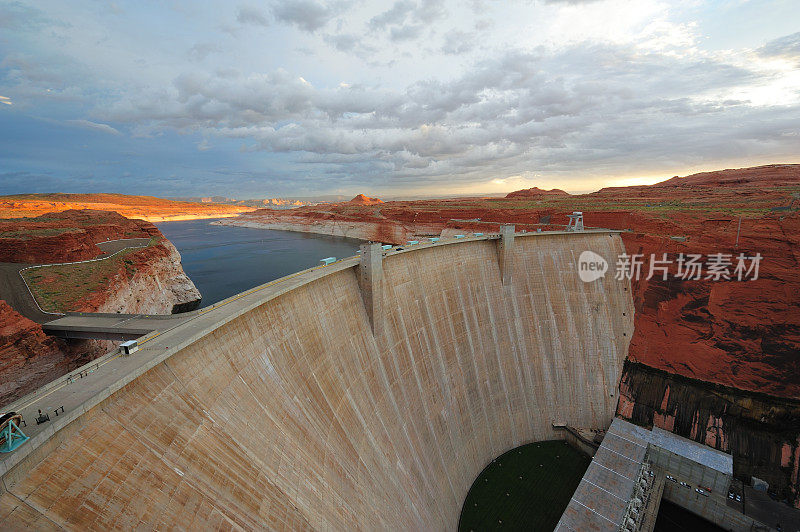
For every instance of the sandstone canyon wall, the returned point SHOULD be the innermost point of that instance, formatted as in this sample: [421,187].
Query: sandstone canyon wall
[155,283]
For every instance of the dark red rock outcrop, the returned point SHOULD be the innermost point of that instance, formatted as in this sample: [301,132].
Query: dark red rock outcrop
[66,236]
[29,358]
[535,192]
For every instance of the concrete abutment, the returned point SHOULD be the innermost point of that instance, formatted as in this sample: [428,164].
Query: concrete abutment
[505,252]
[370,280]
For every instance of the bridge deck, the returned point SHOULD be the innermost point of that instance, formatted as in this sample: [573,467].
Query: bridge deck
[111,326]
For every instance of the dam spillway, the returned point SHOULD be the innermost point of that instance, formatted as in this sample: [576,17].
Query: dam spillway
[289,412]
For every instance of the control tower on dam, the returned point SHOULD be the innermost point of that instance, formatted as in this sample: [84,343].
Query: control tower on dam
[365,394]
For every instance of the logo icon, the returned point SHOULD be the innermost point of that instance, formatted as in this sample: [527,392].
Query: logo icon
[591,266]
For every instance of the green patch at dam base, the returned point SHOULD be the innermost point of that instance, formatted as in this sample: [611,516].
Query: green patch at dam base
[526,488]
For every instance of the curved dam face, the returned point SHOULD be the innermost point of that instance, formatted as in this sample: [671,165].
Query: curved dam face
[293,414]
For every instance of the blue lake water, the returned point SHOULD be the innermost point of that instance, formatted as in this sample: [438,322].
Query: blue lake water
[225,260]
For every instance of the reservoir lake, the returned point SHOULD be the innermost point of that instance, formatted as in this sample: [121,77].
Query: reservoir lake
[223,261]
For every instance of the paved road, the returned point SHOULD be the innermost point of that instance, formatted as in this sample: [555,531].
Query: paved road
[86,325]
[15,292]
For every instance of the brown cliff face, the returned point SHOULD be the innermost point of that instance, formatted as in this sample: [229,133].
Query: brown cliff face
[744,334]
[151,282]
[29,358]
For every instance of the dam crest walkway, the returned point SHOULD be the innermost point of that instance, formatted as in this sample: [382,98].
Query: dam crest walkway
[69,397]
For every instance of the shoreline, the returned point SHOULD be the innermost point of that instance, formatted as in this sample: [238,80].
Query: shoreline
[185,217]
[364,231]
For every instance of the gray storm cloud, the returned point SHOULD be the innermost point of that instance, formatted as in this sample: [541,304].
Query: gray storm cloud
[575,107]
[412,92]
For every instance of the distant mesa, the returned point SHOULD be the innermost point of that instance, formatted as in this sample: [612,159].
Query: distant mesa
[361,199]
[536,192]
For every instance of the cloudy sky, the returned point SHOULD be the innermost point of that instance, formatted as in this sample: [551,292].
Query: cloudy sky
[300,97]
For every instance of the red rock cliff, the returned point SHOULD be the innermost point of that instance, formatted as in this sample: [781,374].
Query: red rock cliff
[28,357]
[65,236]
[148,280]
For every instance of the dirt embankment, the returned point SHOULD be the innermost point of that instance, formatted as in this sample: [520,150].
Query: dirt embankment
[141,207]
[148,280]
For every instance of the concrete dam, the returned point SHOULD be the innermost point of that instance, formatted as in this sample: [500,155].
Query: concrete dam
[366,394]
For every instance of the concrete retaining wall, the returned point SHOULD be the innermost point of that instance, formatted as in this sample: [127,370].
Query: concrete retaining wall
[293,415]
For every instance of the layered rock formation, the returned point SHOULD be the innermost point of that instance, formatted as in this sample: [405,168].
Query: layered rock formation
[28,357]
[153,283]
[282,203]
[141,207]
[66,236]
[314,220]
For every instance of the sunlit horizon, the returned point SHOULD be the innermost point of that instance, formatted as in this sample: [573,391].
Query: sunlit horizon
[415,97]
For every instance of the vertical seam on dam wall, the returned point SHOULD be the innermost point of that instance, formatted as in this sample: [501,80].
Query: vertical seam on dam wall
[294,415]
